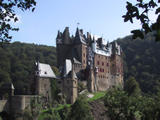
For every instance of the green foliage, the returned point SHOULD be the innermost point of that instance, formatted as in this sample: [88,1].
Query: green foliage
[8,15]
[123,107]
[141,61]
[50,115]
[140,10]
[32,111]
[81,86]
[132,87]
[64,112]
[55,70]
[4,77]
[61,112]
[54,90]
[97,96]
[80,110]
[17,63]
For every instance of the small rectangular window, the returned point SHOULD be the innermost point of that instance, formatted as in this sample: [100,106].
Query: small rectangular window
[107,64]
[83,54]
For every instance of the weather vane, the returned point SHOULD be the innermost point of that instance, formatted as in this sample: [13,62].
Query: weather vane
[78,24]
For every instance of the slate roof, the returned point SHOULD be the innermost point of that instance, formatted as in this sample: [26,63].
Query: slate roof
[45,70]
[67,67]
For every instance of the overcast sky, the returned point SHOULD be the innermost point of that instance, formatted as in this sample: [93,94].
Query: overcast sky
[100,17]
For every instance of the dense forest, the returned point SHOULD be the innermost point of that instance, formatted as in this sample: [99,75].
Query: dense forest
[141,61]
[17,62]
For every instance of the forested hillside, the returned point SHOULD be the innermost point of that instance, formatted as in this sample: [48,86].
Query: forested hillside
[17,64]
[142,61]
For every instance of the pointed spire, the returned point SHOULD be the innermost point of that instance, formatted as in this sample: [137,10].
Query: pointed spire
[66,36]
[59,37]
[94,39]
[78,37]
[77,32]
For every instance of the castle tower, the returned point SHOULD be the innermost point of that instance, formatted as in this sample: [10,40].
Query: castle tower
[80,46]
[92,62]
[64,45]
[116,64]
[70,82]
[74,87]
[44,75]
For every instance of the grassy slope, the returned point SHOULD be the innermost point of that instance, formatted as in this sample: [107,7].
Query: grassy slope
[97,95]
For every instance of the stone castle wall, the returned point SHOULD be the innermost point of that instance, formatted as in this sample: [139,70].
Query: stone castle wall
[43,87]
[20,102]
[70,90]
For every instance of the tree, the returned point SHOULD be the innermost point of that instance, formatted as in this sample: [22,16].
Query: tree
[8,15]
[80,110]
[140,11]
[120,106]
[54,91]
[132,87]
[50,114]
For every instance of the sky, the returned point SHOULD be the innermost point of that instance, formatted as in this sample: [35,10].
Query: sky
[99,17]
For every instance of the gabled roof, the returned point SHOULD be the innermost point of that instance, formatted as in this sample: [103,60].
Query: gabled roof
[44,70]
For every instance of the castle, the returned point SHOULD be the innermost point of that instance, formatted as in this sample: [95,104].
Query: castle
[14,105]
[87,60]
[82,60]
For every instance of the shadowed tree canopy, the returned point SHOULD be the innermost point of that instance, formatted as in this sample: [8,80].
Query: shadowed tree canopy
[140,10]
[8,15]
[132,87]
[80,110]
